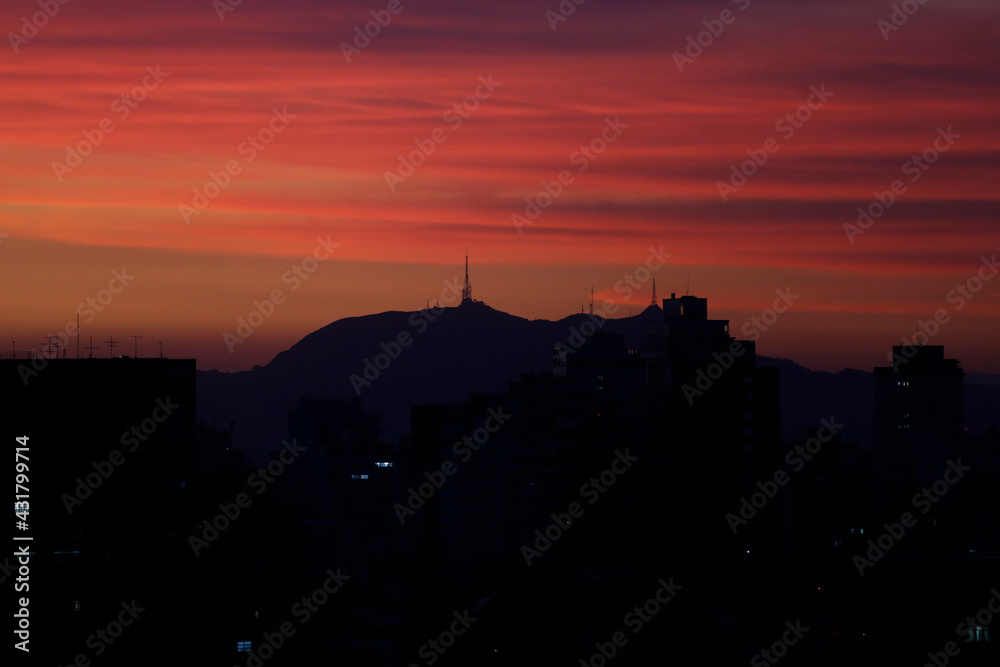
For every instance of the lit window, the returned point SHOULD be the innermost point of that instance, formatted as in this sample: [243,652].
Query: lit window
[359,476]
[979,633]
[243,647]
[383,464]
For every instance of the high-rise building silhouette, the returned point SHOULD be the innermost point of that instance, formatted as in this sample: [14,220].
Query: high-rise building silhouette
[619,389]
[107,441]
[918,410]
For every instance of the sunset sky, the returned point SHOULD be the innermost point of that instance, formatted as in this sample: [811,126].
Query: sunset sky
[343,125]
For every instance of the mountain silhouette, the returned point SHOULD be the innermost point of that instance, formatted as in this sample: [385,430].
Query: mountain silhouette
[445,355]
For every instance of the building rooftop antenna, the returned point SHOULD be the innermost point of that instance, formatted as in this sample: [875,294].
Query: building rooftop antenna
[111,347]
[135,348]
[50,345]
[90,355]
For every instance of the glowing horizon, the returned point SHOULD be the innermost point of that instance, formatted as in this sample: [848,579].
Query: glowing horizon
[499,104]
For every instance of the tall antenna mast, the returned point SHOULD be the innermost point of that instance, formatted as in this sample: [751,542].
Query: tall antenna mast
[135,349]
[591,300]
[467,288]
[654,291]
[111,347]
[90,347]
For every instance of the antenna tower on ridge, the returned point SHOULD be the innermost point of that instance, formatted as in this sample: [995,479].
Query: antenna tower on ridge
[467,288]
